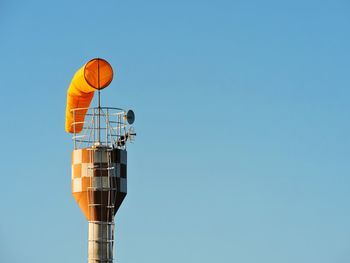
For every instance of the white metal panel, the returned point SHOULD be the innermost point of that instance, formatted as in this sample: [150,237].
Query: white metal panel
[112,170]
[100,181]
[77,185]
[100,156]
[117,169]
[123,157]
[123,187]
[86,170]
[77,156]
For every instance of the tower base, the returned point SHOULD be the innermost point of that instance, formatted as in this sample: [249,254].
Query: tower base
[101,239]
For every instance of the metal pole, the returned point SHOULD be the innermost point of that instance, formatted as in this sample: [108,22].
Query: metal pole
[99,101]
[75,134]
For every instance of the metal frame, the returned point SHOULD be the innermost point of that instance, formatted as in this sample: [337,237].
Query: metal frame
[102,126]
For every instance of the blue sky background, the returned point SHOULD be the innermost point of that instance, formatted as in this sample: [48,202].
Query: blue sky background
[242,152]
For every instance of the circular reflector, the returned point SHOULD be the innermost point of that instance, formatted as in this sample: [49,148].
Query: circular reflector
[130,117]
[98,73]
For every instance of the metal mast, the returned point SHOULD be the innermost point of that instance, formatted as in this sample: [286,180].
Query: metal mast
[99,163]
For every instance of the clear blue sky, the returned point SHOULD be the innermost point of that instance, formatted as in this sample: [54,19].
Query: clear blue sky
[242,115]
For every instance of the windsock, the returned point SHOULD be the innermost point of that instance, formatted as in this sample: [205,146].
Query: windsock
[94,75]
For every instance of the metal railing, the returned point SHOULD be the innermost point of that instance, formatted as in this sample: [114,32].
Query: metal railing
[104,126]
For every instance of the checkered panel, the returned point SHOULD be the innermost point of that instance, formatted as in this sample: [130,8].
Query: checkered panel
[99,182]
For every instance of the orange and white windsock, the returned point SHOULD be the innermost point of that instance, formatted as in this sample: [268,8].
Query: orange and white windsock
[94,75]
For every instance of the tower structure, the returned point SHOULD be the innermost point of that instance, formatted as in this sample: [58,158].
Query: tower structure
[99,158]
